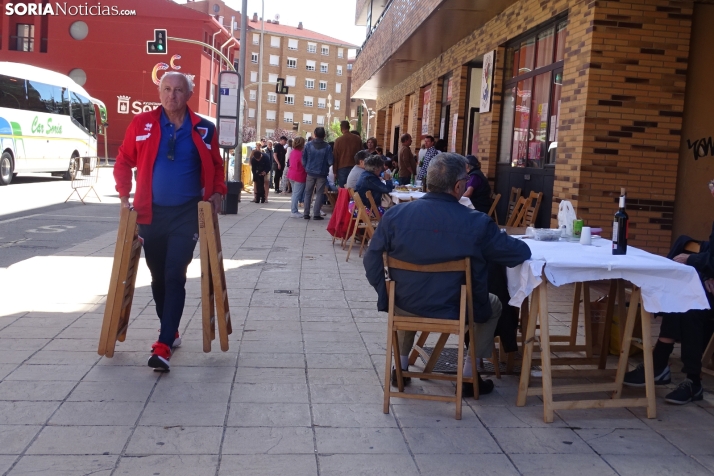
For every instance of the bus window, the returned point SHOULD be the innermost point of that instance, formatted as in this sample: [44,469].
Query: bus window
[89,115]
[63,105]
[77,112]
[12,92]
[42,97]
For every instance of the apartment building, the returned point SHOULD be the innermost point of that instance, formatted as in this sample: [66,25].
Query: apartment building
[570,98]
[313,65]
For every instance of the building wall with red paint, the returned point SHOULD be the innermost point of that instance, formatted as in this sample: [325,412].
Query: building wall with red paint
[113,54]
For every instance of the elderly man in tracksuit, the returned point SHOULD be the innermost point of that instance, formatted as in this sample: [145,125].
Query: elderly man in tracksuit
[178,164]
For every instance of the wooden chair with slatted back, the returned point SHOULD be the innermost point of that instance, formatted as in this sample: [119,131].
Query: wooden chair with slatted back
[512,201]
[446,327]
[529,212]
[492,210]
[516,213]
[707,364]
[362,222]
[352,220]
[373,207]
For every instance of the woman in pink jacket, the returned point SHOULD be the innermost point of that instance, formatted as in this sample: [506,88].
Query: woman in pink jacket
[297,176]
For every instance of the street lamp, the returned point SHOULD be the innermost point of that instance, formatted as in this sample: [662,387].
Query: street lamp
[370,113]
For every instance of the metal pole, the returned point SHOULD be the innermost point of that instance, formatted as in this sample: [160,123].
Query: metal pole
[238,166]
[260,71]
[210,80]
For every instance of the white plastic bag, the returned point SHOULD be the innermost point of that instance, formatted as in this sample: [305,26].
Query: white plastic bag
[566,216]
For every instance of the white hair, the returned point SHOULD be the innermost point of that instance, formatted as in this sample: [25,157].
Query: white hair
[189,82]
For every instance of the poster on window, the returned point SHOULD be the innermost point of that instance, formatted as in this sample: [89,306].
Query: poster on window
[425,112]
[487,81]
[454,122]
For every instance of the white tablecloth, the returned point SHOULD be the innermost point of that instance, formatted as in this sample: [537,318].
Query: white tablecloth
[398,197]
[666,286]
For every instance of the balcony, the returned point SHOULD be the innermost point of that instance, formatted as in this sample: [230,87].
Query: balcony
[410,33]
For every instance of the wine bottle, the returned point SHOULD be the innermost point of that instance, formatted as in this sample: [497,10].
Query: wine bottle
[620,228]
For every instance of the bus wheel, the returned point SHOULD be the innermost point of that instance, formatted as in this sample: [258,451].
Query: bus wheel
[6,174]
[73,168]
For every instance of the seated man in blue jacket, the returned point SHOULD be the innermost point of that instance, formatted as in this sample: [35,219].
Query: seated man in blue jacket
[434,229]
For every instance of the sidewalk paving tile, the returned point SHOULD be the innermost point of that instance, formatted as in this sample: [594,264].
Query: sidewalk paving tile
[64,465]
[268,440]
[186,465]
[81,440]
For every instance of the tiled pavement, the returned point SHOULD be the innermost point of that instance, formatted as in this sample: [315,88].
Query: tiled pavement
[298,393]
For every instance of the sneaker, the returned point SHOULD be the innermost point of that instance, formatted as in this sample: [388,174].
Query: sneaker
[636,378]
[484,388]
[296,215]
[160,356]
[322,214]
[177,340]
[406,380]
[686,392]
[318,218]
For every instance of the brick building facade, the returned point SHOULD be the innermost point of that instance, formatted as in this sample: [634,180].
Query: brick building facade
[626,99]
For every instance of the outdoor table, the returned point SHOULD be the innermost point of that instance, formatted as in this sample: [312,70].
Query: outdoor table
[660,285]
[398,197]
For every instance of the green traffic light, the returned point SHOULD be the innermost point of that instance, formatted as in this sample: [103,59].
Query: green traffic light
[160,47]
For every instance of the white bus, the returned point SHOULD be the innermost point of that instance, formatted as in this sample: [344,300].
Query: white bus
[46,122]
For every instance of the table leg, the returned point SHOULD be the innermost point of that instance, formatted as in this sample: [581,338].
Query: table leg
[626,342]
[587,321]
[528,338]
[545,353]
[605,347]
[649,366]
[576,314]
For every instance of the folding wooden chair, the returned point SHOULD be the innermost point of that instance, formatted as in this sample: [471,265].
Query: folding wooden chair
[373,207]
[425,324]
[529,211]
[516,212]
[492,210]
[512,200]
[362,222]
[331,197]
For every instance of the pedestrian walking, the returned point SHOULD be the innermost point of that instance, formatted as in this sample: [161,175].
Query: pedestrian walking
[297,176]
[316,158]
[178,164]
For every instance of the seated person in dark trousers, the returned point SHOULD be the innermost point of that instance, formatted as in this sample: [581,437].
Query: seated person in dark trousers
[435,229]
[692,328]
[260,166]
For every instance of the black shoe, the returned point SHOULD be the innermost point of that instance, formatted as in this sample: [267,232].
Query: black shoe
[636,378]
[406,380]
[686,392]
[318,218]
[484,388]
[306,217]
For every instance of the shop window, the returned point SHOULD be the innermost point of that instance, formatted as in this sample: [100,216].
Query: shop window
[531,99]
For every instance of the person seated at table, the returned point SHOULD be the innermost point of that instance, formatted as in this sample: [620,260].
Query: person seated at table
[478,189]
[692,328]
[369,180]
[435,229]
[357,170]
